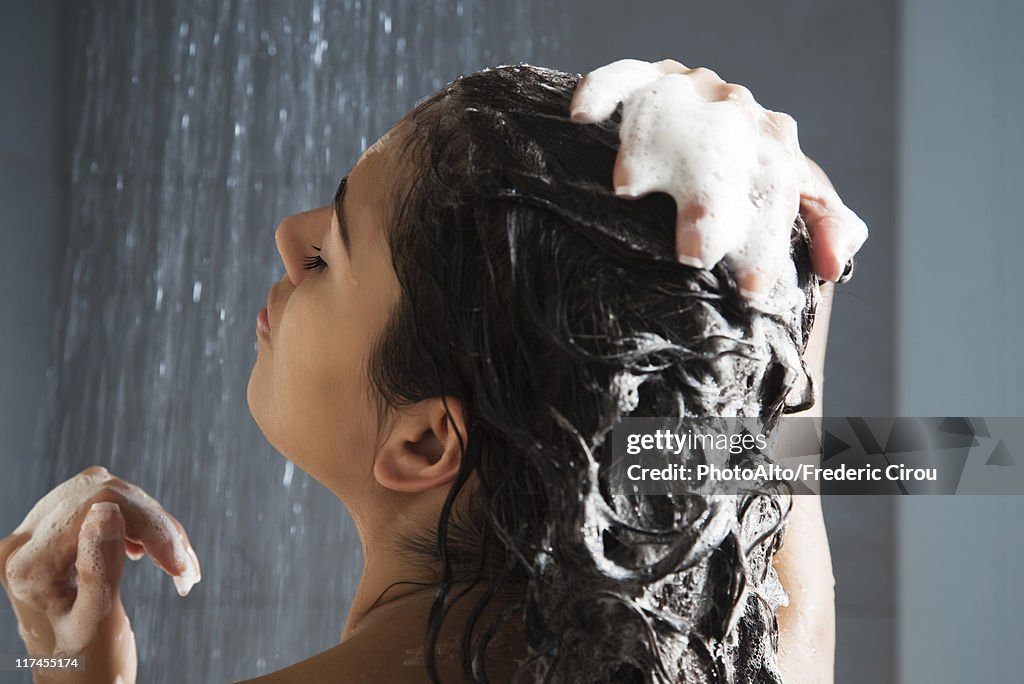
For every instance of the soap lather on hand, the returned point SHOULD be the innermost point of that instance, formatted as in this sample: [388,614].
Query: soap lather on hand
[735,170]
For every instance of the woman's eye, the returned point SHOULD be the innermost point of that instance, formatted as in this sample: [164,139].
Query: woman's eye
[315,263]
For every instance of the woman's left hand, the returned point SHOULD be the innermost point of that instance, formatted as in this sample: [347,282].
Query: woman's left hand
[62,566]
[734,168]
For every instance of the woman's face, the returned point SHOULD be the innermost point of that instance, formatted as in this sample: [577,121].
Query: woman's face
[308,391]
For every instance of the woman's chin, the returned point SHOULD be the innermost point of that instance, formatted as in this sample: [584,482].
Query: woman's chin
[252,399]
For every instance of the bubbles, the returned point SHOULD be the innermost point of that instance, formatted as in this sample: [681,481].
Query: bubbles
[735,187]
[628,391]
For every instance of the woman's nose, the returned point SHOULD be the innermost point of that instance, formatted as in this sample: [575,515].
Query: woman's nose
[297,235]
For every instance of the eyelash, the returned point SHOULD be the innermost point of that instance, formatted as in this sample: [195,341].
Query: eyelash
[315,263]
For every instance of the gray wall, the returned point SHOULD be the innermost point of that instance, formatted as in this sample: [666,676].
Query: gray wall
[961,324]
[32,196]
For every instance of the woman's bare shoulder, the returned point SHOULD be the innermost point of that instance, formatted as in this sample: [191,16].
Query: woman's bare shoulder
[385,661]
[392,650]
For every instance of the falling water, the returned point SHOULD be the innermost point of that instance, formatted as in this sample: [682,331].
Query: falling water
[196,127]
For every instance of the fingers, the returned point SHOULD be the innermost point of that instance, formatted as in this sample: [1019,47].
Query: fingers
[736,172]
[158,533]
[599,92]
[836,234]
[700,243]
[761,261]
[134,550]
[51,531]
[689,241]
[781,126]
[99,565]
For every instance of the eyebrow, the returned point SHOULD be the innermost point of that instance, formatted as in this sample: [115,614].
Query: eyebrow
[339,211]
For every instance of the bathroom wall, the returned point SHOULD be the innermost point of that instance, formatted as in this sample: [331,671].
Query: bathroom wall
[959,298]
[32,198]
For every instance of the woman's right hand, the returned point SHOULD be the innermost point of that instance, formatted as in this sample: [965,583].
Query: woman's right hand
[735,198]
[62,566]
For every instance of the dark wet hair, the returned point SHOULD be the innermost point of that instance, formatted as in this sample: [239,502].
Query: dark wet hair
[550,308]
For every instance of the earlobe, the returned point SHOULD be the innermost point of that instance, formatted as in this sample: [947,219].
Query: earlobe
[423,450]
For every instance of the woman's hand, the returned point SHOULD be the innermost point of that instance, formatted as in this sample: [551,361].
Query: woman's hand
[734,168]
[62,567]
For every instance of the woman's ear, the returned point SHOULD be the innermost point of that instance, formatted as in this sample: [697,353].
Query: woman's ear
[422,450]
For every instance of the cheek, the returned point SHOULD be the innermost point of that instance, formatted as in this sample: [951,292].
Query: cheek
[319,405]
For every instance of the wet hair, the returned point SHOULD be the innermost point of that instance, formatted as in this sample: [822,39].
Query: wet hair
[550,308]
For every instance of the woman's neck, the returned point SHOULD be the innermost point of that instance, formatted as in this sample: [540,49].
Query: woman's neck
[388,588]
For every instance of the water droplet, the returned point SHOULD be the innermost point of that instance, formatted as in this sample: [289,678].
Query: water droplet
[197,291]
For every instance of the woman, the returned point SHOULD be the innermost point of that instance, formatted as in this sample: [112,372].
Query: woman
[446,352]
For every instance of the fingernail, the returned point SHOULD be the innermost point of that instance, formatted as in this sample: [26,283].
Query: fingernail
[756,295]
[186,580]
[579,115]
[690,247]
[840,266]
[751,287]
[108,526]
[195,563]
[690,260]
[626,191]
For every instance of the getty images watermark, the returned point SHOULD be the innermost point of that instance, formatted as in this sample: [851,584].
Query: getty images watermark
[817,455]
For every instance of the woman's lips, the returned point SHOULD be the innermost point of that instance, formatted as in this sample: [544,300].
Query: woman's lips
[263,322]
